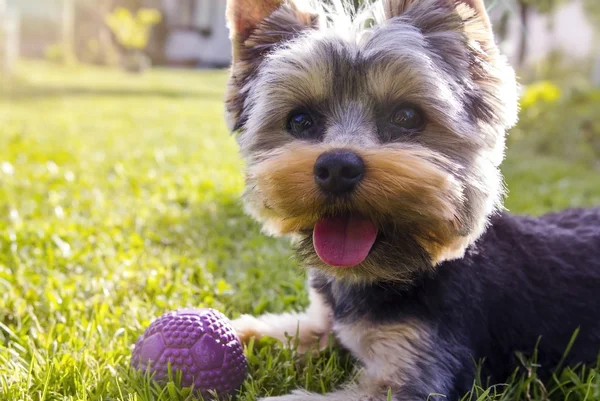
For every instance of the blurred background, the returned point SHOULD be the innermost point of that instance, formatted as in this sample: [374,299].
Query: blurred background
[132,33]
[120,185]
[193,33]
[555,43]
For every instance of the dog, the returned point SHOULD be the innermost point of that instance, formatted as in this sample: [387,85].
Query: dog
[373,138]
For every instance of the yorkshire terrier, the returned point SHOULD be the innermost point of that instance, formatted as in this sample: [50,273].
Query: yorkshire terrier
[373,138]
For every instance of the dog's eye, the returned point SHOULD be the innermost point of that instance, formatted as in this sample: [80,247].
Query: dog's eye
[408,118]
[300,124]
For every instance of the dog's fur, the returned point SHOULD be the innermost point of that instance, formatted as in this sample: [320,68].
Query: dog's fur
[451,278]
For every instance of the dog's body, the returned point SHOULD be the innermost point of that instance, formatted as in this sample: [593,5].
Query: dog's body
[528,284]
[525,280]
[374,140]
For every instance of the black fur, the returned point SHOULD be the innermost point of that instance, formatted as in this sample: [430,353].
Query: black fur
[526,279]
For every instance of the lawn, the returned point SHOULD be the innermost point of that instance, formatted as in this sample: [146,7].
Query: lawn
[119,200]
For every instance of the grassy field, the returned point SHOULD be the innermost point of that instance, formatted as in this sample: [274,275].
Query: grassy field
[119,201]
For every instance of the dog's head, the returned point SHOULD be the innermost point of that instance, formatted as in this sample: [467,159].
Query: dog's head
[372,136]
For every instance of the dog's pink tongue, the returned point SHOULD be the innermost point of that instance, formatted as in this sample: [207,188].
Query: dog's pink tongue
[344,241]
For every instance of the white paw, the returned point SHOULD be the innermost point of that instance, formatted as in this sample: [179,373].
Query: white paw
[247,327]
[297,396]
[283,328]
[300,395]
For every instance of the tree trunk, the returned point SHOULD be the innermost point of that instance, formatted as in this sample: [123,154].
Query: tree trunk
[502,28]
[524,18]
[596,65]
[9,39]
[68,29]
[107,44]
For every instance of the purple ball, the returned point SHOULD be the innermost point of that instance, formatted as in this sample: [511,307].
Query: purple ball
[198,342]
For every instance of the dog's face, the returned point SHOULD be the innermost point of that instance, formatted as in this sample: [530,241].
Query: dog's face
[373,138]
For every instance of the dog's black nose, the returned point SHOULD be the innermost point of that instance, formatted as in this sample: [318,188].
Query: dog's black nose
[337,172]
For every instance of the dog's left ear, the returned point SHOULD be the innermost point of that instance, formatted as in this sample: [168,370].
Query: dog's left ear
[256,28]
[474,8]
[479,7]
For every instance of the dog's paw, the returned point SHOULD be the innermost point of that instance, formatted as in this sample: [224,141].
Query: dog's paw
[247,327]
[284,328]
[315,342]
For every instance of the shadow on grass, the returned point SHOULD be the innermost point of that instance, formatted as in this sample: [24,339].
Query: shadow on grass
[229,245]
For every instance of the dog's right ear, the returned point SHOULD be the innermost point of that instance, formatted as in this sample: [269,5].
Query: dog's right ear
[263,22]
[243,18]
[256,28]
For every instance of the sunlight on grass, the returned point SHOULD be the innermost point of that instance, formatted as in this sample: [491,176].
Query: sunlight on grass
[119,200]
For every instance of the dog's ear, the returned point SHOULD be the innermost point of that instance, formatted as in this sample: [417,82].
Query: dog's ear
[476,8]
[256,28]
[261,24]
[479,7]
[243,18]
[244,15]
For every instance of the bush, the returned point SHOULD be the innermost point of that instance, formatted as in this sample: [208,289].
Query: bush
[100,52]
[133,32]
[560,121]
[57,53]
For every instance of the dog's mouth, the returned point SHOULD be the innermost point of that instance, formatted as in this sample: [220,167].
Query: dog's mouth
[344,240]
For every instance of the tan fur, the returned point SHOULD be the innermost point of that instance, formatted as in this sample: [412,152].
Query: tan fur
[390,356]
[388,353]
[244,16]
[286,184]
[479,7]
[403,183]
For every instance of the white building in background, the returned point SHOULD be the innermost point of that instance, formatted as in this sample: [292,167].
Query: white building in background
[197,35]
[9,37]
[197,32]
[567,30]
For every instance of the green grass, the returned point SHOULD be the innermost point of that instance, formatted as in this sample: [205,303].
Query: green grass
[119,200]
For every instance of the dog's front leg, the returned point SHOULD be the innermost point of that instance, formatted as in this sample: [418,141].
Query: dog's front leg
[406,360]
[349,394]
[312,326]
[360,393]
